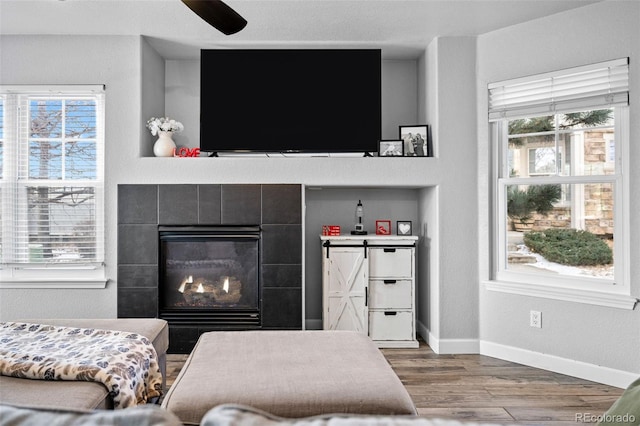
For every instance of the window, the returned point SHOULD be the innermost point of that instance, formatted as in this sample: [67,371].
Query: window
[52,184]
[543,161]
[559,184]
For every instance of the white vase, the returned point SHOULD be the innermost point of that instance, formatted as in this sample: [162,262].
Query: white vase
[164,146]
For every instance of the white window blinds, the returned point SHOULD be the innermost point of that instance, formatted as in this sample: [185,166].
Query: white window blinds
[53,175]
[605,84]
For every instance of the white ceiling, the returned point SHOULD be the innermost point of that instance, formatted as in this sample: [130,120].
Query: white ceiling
[402,28]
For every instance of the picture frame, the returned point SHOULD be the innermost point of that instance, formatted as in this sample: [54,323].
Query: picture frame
[404,227]
[416,140]
[383,227]
[390,148]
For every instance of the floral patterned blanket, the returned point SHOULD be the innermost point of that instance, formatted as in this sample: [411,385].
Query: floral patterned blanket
[126,363]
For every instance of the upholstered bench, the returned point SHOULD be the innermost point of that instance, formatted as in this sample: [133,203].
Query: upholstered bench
[288,374]
[77,394]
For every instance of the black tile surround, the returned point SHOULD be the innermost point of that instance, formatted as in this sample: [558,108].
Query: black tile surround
[276,208]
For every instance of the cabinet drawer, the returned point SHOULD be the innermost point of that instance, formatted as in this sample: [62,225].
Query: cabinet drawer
[391,325]
[390,262]
[390,294]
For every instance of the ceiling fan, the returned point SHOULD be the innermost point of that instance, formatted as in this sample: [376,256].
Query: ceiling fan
[218,15]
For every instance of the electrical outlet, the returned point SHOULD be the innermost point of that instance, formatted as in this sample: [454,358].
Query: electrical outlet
[535,319]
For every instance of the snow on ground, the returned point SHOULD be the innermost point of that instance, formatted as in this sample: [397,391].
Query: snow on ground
[601,271]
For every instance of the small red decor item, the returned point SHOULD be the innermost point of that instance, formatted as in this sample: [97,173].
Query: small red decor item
[186,152]
[383,227]
[331,230]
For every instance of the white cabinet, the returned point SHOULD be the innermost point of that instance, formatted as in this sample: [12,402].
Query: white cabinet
[368,285]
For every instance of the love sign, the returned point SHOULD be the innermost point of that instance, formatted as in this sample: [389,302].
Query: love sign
[404,227]
[186,152]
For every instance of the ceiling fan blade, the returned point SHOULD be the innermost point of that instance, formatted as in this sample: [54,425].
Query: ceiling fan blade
[218,15]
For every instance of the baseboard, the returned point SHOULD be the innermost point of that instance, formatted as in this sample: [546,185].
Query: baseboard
[582,370]
[459,346]
[447,346]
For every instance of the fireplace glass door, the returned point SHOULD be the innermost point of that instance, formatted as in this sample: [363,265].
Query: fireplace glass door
[209,274]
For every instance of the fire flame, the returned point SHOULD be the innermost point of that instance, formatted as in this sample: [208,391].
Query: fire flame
[186,281]
[225,286]
[200,288]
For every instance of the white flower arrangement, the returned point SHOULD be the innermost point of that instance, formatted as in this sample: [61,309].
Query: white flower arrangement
[164,124]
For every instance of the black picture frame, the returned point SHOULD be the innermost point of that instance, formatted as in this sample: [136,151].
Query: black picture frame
[401,227]
[390,148]
[416,140]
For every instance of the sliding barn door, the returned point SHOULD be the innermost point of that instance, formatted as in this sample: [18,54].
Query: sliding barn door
[346,277]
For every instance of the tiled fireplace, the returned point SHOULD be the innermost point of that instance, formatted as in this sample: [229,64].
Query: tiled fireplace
[148,215]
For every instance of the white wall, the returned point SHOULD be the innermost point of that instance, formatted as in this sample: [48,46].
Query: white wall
[594,336]
[428,268]
[152,81]
[452,296]
[399,96]
[182,99]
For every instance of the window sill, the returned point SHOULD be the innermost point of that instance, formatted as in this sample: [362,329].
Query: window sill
[611,300]
[55,284]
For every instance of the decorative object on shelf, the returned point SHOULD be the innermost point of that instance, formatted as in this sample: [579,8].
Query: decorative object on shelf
[390,148]
[415,140]
[164,127]
[403,227]
[331,230]
[383,227]
[164,146]
[163,124]
[359,227]
[186,152]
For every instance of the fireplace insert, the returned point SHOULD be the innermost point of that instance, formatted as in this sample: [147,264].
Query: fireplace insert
[210,276]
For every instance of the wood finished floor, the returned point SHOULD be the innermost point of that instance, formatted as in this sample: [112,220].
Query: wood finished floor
[484,389]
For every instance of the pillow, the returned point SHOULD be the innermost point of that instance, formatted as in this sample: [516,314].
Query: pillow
[626,409]
[233,415]
[142,415]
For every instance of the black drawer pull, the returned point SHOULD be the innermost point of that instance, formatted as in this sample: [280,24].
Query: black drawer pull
[390,281]
[390,313]
[389,250]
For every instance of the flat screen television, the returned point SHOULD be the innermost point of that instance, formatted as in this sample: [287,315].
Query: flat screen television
[290,100]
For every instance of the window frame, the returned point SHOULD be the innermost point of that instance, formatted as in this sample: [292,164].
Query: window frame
[87,274]
[614,293]
[559,158]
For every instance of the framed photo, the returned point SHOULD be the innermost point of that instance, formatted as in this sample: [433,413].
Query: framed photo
[415,140]
[403,227]
[390,148]
[383,227]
